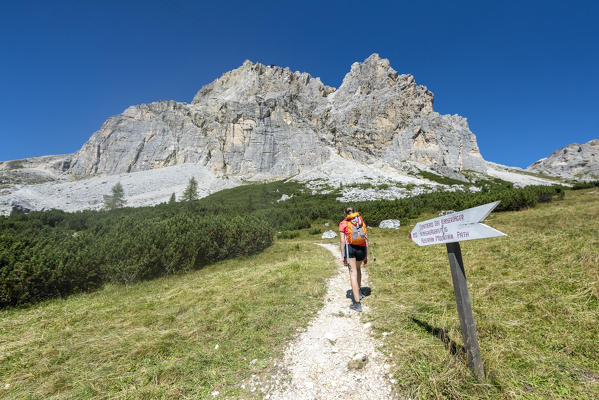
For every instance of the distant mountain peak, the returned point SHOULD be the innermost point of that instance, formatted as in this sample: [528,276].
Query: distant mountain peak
[574,161]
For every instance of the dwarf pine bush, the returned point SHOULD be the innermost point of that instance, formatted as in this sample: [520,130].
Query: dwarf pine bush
[42,256]
[55,253]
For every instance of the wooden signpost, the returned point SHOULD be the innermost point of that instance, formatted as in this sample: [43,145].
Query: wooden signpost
[452,229]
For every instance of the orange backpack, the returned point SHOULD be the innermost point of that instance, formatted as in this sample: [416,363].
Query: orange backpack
[356,230]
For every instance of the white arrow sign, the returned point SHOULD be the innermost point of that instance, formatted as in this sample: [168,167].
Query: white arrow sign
[456,227]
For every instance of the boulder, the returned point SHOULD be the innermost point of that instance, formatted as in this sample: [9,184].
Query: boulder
[284,197]
[390,224]
[445,212]
[20,207]
[329,234]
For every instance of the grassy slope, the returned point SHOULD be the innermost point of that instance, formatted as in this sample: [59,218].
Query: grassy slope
[157,339]
[534,296]
[535,304]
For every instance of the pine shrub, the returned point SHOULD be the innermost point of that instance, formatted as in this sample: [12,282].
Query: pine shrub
[42,257]
[53,253]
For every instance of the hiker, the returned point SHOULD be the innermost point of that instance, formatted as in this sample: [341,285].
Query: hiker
[353,244]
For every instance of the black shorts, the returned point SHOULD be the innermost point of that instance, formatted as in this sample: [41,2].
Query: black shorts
[355,251]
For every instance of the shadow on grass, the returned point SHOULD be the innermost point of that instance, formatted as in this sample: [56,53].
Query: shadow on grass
[441,334]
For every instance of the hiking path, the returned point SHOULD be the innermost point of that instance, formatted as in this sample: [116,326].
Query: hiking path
[335,357]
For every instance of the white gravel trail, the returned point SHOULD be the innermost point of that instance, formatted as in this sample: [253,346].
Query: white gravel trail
[316,363]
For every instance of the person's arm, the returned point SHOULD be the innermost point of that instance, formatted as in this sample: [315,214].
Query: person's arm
[367,251]
[341,246]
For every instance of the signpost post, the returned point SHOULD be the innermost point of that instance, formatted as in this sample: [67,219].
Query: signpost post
[452,229]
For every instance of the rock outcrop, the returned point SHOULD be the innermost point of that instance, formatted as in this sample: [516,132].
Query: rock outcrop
[266,122]
[390,224]
[575,161]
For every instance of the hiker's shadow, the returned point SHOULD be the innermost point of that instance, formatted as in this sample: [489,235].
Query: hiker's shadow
[441,334]
[365,290]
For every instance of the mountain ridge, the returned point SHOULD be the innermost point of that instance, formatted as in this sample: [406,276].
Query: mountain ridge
[258,123]
[574,161]
[258,119]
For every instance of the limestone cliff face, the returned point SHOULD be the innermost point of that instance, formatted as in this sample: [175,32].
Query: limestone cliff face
[269,122]
[388,116]
[574,161]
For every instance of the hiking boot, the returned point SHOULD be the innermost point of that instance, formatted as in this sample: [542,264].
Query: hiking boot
[356,307]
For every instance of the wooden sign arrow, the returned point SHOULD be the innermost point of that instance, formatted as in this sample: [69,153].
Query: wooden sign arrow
[456,227]
[452,229]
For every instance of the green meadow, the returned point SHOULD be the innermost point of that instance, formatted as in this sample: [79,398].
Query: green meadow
[534,295]
[181,336]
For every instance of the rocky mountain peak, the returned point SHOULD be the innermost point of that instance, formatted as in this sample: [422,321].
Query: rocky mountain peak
[266,122]
[574,161]
[251,79]
[374,69]
[375,76]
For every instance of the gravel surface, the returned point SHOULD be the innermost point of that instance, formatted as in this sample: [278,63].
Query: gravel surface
[335,357]
[142,188]
[516,175]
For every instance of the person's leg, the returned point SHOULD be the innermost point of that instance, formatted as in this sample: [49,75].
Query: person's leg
[358,265]
[348,264]
[354,279]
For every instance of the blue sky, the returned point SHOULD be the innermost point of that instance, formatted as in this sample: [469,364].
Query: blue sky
[525,74]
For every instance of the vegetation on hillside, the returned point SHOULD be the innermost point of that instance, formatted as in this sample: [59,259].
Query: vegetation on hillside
[303,208]
[444,180]
[54,253]
[191,191]
[535,300]
[585,185]
[535,297]
[116,199]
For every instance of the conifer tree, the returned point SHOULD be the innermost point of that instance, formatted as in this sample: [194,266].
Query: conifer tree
[117,199]
[173,199]
[191,191]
